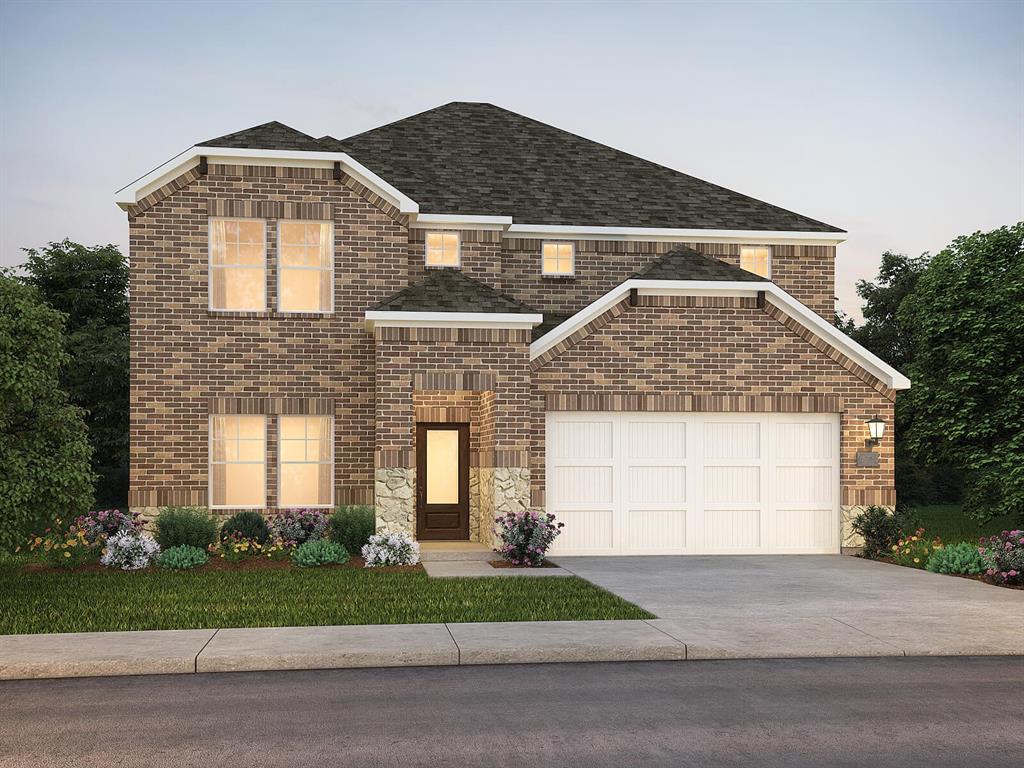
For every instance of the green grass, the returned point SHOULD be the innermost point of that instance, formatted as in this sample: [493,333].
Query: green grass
[949,523]
[110,601]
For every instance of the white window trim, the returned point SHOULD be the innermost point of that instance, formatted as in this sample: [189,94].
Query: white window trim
[544,272]
[210,462]
[458,249]
[329,270]
[771,255]
[281,462]
[210,265]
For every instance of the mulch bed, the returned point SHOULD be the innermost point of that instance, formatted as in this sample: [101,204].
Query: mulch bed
[973,577]
[507,564]
[223,564]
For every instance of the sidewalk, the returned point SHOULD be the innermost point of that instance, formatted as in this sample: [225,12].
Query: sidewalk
[92,654]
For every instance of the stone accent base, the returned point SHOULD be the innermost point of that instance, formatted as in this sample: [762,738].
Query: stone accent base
[507,489]
[847,538]
[395,500]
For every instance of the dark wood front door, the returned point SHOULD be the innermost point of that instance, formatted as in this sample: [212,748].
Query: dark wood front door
[442,482]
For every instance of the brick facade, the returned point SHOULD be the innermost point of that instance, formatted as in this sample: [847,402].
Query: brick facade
[188,362]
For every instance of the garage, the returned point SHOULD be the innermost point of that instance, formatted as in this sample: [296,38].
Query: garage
[693,483]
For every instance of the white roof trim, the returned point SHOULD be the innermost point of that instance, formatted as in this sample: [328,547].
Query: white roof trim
[189,159]
[440,220]
[773,293]
[663,234]
[398,319]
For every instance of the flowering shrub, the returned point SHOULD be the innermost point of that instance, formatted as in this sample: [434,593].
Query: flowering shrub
[526,536]
[246,525]
[391,549]
[129,551]
[914,550]
[106,522]
[1004,556]
[296,526]
[235,548]
[881,528]
[181,558]
[957,558]
[319,552]
[63,549]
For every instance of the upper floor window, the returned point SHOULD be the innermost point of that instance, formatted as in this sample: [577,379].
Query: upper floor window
[756,259]
[558,259]
[305,257]
[238,264]
[238,468]
[306,472]
[442,249]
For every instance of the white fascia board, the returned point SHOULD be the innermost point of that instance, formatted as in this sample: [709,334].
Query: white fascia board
[397,319]
[773,293]
[189,159]
[456,221]
[661,234]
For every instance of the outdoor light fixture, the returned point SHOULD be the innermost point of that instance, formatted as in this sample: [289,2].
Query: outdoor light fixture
[876,428]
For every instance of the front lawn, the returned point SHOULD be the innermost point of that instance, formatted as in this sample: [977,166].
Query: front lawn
[949,523]
[114,600]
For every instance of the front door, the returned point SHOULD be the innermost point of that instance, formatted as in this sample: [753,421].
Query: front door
[442,482]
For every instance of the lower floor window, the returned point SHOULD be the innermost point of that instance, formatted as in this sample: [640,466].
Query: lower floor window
[305,474]
[238,466]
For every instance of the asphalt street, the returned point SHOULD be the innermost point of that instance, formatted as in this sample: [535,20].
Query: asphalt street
[829,712]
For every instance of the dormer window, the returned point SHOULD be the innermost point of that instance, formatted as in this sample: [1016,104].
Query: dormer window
[442,249]
[756,259]
[558,259]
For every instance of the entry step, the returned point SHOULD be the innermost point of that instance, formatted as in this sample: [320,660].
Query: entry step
[452,551]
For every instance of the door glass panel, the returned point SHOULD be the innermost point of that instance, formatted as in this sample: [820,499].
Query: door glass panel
[442,466]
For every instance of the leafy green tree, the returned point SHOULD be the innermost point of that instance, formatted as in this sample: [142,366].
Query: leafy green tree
[44,447]
[90,286]
[966,316]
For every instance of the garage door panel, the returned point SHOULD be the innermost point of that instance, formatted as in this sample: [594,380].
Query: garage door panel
[803,530]
[732,529]
[656,485]
[583,439]
[584,485]
[803,486]
[732,440]
[585,530]
[657,440]
[732,485]
[655,529]
[802,440]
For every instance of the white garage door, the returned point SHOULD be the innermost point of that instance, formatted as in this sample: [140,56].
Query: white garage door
[694,483]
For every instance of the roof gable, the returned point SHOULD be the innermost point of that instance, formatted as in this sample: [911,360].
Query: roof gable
[449,290]
[272,135]
[688,264]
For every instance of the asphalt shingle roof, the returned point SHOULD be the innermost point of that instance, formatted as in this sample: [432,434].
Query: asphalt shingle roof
[479,159]
[449,290]
[687,264]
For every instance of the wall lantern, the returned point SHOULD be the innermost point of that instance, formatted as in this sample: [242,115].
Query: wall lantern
[876,428]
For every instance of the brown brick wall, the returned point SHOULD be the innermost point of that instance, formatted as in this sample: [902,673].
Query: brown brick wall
[713,358]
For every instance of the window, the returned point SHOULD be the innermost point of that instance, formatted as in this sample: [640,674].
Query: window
[558,258]
[238,468]
[306,469]
[238,264]
[442,249]
[756,259]
[305,258]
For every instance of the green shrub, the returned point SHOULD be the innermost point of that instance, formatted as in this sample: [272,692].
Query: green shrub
[881,529]
[185,526]
[246,525]
[352,527]
[957,558]
[319,552]
[181,558]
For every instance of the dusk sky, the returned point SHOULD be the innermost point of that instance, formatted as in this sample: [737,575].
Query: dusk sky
[902,122]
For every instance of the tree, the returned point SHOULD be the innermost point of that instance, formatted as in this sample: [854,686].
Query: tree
[968,369]
[90,286]
[886,336]
[44,447]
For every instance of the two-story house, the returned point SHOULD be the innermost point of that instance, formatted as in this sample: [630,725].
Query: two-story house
[467,312]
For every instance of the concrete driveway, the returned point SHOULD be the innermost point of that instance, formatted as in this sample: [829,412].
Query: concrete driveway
[811,605]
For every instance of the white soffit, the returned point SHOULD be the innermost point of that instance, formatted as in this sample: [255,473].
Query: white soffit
[395,319]
[773,293]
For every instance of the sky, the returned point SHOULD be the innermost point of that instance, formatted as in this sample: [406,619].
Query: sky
[902,123]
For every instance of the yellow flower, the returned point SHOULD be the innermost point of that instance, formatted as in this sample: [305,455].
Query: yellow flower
[895,548]
[38,541]
[917,560]
[67,554]
[913,538]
